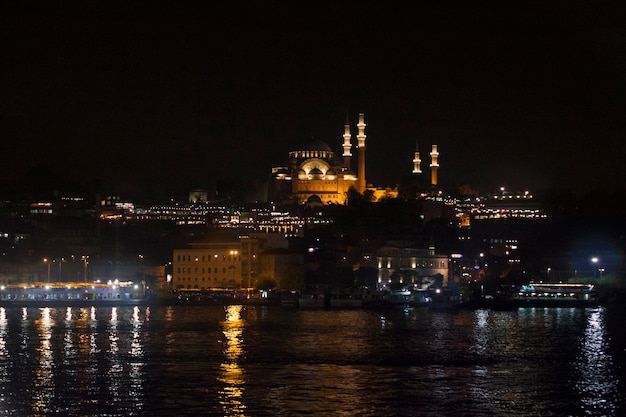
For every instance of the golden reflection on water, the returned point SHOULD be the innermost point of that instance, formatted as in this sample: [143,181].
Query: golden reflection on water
[170,337]
[231,374]
[86,348]
[43,393]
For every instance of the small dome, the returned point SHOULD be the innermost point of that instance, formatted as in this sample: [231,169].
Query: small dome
[314,200]
[316,171]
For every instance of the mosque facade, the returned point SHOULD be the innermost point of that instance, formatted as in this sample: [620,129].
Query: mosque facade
[315,174]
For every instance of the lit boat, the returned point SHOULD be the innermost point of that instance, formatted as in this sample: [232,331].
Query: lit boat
[555,295]
[72,294]
[389,298]
[444,299]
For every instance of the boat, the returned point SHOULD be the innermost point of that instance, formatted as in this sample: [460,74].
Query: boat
[444,299]
[351,297]
[313,300]
[217,296]
[289,298]
[555,295]
[70,294]
[389,298]
[474,298]
[346,301]
[314,297]
[420,298]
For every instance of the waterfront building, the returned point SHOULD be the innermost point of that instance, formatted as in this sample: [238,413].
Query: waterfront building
[410,267]
[204,266]
[227,264]
[283,266]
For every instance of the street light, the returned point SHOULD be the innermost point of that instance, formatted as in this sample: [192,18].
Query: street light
[60,265]
[47,261]
[595,262]
[85,260]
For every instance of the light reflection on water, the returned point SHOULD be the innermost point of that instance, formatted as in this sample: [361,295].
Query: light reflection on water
[231,374]
[597,382]
[137,360]
[260,361]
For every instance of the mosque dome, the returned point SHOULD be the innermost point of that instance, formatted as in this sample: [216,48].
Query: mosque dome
[317,145]
[315,149]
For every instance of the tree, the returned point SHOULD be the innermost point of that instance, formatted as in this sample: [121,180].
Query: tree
[368,195]
[264,282]
[292,274]
[356,198]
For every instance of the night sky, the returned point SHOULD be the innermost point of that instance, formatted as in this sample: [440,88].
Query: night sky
[149,97]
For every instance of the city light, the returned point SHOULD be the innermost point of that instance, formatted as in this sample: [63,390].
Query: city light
[595,262]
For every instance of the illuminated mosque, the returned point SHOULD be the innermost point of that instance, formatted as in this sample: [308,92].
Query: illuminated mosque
[316,175]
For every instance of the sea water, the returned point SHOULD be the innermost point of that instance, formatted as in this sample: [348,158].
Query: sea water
[239,360]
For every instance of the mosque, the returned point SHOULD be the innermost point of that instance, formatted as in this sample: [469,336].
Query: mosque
[316,175]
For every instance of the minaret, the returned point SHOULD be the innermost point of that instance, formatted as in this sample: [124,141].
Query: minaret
[347,145]
[417,161]
[361,144]
[433,165]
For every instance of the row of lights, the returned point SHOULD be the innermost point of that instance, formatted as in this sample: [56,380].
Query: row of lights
[84,259]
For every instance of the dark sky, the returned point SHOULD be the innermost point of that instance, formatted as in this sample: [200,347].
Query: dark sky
[149,96]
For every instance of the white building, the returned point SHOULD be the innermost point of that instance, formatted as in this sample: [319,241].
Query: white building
[410,267]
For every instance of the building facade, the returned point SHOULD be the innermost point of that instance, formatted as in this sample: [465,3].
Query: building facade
[224,265]
[284,267]
[314,174]
[410,267]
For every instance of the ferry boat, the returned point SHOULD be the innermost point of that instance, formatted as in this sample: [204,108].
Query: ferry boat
[555,295]
[61,294]
[314,297]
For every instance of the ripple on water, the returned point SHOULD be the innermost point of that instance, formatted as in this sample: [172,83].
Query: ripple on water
[259,361]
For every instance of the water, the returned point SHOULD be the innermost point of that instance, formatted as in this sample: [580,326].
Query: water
[270,361]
